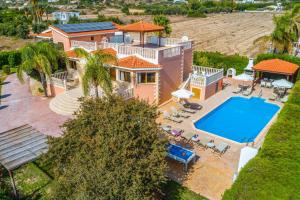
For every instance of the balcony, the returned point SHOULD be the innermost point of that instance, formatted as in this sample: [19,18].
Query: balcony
[169,47]
[203,76]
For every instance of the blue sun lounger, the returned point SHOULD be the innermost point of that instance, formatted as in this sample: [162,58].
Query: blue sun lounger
[181,154]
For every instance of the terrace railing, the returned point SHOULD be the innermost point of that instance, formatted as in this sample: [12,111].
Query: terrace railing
[204,76]
[127,94]
[89,46]
[59,79]
[144,52]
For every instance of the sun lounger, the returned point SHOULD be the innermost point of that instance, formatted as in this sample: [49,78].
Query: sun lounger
[204,142]
[269,85]
[193,106]
[166,128]
[247,92]
[262,83]
[171,118]
[176,132]
[175,112]
[221,147]
[183,109]
[237,90]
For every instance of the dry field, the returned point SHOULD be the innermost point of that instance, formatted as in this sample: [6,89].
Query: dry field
[226,33]
[10,43]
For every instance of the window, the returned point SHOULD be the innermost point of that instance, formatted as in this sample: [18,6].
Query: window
[124,76]
[73,64]
[146,77]
[92,38]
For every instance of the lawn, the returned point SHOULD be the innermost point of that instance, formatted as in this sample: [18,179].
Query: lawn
[174,191]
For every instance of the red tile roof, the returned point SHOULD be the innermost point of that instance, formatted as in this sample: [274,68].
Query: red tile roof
[46,34]
[141,26]
[135,62]
[277,66]
[72,53]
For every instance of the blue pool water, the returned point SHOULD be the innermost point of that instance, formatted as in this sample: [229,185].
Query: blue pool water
[238,119]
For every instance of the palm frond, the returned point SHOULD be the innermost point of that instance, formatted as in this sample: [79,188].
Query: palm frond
[81,52]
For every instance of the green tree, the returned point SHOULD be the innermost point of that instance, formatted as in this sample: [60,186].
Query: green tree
[287,29]
[162,20]
[42,57]
[111,150]
[97,71]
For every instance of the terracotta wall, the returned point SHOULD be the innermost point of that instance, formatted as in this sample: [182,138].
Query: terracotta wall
[57,37]
[170,75]
[188,63]
[211,89]
[145,92]
[54,90]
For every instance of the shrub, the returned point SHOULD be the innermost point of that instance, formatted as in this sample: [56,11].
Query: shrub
[39,27]
[218,60]
[275,172]
[6,69]
[12,58]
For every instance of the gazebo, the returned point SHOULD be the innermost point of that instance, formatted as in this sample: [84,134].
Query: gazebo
[19,146]
[142,28]
[276,68]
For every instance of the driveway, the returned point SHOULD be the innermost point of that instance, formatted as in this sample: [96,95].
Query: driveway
[19,107]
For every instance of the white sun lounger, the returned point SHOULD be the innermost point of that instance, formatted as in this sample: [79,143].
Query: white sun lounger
[171,118]
[175,112]
[221,147]
[247,92]
[237,90]
[187,110]
[284,99]
[203,142]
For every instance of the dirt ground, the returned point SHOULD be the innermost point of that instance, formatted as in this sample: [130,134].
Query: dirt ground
[10,43]
[227,33]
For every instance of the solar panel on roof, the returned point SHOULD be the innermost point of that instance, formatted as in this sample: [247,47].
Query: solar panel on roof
[95,26]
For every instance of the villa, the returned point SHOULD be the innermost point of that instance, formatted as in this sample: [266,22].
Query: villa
[149,67]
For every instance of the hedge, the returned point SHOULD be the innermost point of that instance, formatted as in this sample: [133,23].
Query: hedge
[275,172]
[218,60]
[11,58]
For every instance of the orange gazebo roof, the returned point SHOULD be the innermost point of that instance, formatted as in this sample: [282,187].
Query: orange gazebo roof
[276,66]
[141,26]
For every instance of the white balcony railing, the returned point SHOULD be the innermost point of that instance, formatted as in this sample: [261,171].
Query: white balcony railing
[127,94]
[144,52]
[203,76]
[89,46]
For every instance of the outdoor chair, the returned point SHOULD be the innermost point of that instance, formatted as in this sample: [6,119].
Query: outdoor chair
[175,112]
[166,128]
[237,90]
[176,132]
[171,118]
[221,148]
[269,85]
[247,92]
[205,141]
[190,105]
[187,110]
[262,83]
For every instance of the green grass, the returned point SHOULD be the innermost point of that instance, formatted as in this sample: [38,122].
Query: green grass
[31,182]
[275,172]
[174,191]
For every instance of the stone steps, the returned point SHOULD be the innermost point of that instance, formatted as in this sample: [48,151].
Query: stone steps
[66,103]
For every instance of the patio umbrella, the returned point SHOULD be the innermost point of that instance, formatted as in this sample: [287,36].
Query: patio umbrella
[282,83]
[183,94]
[244,77]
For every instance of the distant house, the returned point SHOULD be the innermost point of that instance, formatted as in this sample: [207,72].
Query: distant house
[64,17]
[179,1]
[52,1]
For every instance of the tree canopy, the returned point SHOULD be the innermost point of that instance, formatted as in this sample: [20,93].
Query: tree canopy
[112,149]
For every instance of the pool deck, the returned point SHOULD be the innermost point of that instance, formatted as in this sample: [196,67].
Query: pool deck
[212,174]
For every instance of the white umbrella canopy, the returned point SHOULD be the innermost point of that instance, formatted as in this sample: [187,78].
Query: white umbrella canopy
[244,77]
[282,83]
[183,94]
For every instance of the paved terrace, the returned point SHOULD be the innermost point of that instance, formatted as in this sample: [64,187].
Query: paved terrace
[19,107]
[211,175]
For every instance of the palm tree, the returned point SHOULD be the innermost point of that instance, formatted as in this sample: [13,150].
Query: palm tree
[287,30]
[42,57]
[96,71]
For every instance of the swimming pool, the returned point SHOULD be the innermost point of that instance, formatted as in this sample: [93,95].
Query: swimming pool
[239,119]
